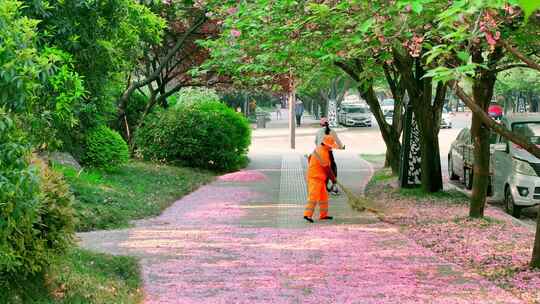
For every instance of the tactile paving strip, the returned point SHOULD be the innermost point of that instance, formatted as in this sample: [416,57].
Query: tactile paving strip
[292,191]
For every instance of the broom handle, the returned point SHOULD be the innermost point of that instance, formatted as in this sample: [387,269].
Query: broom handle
[345,189]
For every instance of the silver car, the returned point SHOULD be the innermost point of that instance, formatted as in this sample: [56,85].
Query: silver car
[516,179]
[354,115]
[461,159]
[446,119]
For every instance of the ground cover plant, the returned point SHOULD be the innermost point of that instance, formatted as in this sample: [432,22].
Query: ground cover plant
[84,277]
[105,200]
[496,247]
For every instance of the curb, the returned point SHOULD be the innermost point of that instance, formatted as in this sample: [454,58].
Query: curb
[368,178]
[513,219]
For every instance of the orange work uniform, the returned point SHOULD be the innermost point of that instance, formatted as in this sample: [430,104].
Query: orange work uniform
[317,174]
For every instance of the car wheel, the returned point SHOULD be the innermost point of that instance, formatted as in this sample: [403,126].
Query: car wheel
[509,204]
[468,178]
[451,174]
[490,187]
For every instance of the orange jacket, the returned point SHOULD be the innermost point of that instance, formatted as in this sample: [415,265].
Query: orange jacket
[319,167]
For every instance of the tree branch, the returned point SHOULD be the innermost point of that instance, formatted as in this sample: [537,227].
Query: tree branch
[439,99]
[347,69]
[156,73]
[492,124]
[508,67]
[391,81]
[528,61]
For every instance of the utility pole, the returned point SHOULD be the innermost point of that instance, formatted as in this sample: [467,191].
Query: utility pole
[292,112]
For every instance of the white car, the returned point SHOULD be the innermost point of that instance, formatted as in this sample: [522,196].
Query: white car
[446,119]
[354,115]
[516,179]
[387,105]
[389,116]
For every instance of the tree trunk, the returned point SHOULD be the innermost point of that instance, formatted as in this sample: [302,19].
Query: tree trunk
[390,136]
[431,158]
[482,93]
[535,261]
[398,91]
[483,86]
[323,107]
[480,135]
[428,116]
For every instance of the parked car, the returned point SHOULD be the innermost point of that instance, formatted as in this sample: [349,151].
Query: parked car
[387,105]
[446,119]
[461,159]
[389,116]
[517,173]
[354,115]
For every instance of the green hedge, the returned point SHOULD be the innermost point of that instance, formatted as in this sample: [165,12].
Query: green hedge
[105,149]
[206,135]
[36,214]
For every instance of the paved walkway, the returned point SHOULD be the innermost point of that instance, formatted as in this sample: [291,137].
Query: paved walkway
[242,239]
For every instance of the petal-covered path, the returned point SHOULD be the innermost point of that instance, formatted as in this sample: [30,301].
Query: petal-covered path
[242,239]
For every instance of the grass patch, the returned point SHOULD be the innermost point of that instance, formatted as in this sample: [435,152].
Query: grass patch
[83,277]
[376,159]
[107,200]
[380,176]
[383,175]
[451,195]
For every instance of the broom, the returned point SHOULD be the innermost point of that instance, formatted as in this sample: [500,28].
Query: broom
[357,203]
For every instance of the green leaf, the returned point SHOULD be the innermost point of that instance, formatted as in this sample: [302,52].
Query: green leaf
[364,27]
[463,56]
[529,6]
[417,7]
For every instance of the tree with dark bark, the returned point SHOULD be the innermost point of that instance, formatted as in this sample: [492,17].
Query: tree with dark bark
[483,53]
[169,66]
[478,56]
[390,134]
[322,86]
[305,36]
[427,109]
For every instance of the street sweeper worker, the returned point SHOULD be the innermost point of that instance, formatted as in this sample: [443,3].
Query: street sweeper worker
[319,171]
[323,131]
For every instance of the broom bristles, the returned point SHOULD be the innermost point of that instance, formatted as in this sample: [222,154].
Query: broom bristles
[354,201]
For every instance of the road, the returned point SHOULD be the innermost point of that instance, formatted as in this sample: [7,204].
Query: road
[361,140]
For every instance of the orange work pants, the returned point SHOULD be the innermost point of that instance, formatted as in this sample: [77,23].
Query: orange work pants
[317,193]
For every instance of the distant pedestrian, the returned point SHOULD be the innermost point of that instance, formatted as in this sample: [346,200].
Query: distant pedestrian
[318,172]
[278,111]
[299,111]
[324,131]
[252,107]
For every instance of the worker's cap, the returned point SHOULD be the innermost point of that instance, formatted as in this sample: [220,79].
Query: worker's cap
[324,121]
[329,141]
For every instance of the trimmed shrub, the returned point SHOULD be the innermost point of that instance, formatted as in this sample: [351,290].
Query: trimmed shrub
[105,149]
[36,216]
[20,252]
[57,215]
[206,135]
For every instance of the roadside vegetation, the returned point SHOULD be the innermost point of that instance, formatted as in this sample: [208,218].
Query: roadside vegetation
[81,277]
[113,82]
[496,246]
[375,159]
[107,200]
